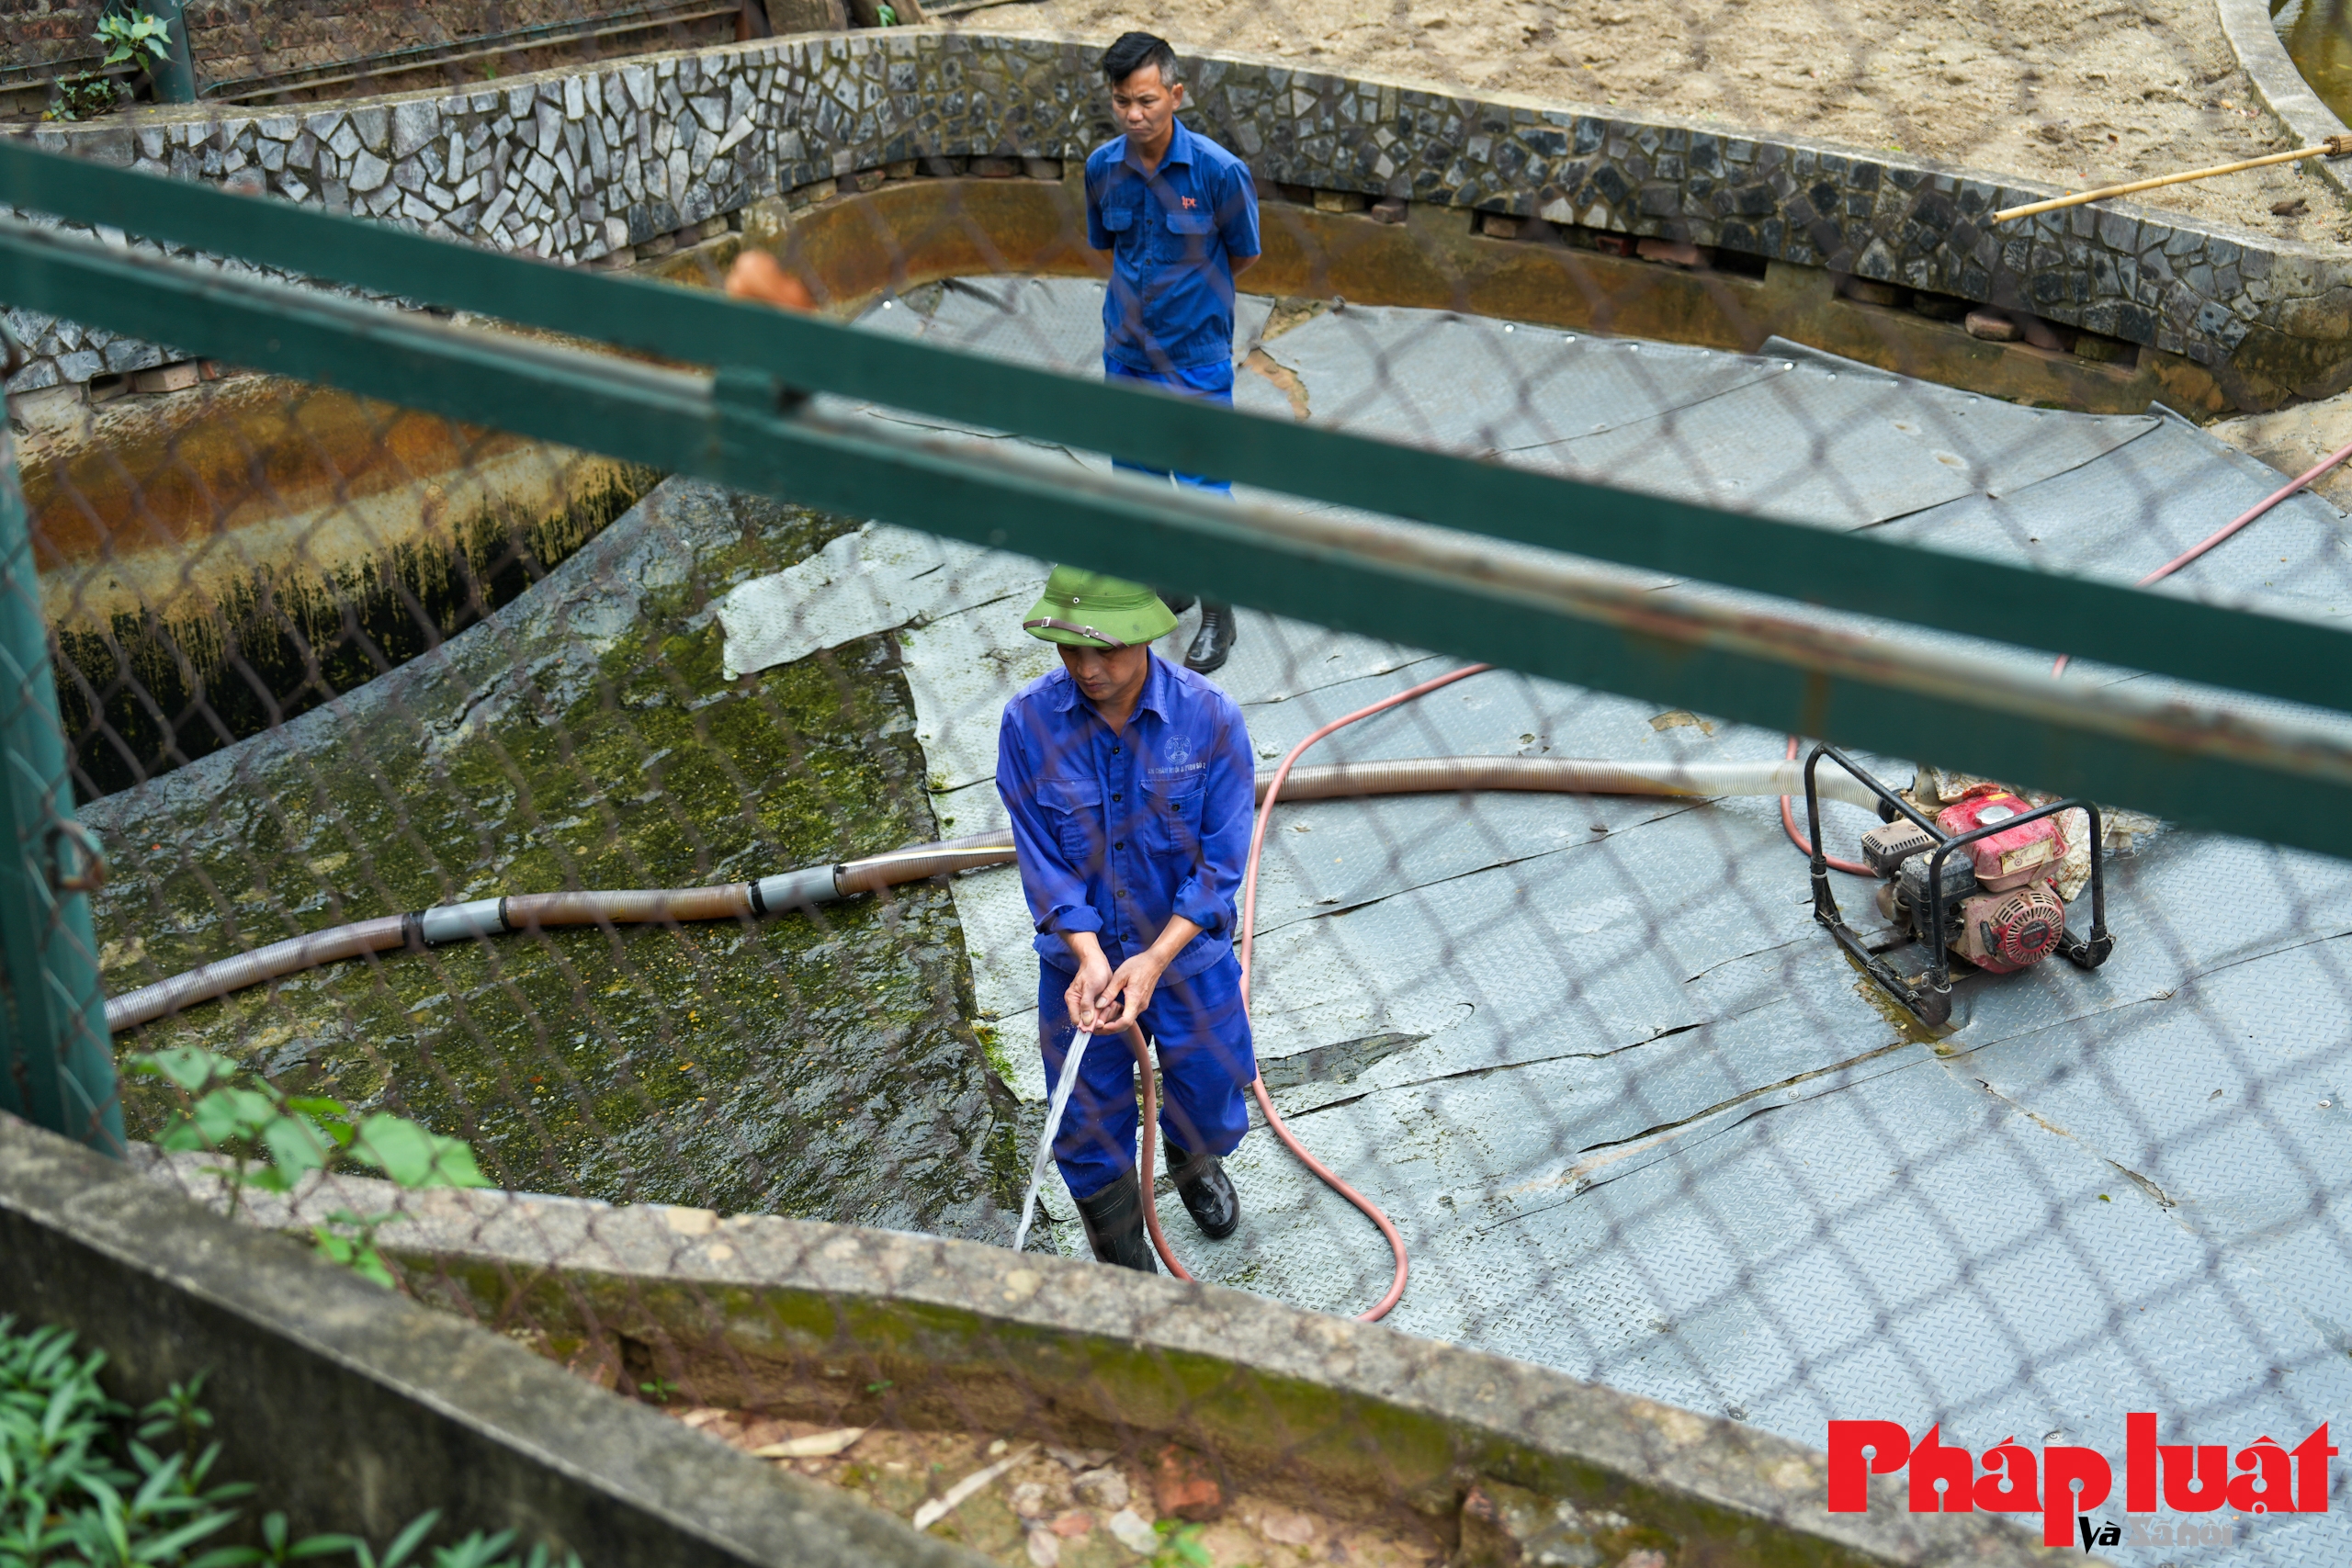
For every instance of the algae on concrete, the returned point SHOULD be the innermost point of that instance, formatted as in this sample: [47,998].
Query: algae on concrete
[815,1066]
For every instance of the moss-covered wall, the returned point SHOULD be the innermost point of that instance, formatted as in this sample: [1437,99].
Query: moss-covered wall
[585,737]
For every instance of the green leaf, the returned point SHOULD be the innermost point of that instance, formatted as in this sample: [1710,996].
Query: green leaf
[190,1068]
[414,1156]
[323,1545]
[409,1539]
[229,1114]
[296,1145]
[332,1116]
[165,1547]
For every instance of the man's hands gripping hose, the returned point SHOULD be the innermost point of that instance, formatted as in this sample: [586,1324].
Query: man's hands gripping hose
[1104,1001]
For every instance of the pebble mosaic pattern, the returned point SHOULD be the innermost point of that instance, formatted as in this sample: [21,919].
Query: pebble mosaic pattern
[576,167]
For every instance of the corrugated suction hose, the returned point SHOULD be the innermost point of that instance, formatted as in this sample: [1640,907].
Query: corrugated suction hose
[826,884]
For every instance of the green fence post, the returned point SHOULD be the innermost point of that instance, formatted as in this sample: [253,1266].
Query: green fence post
[175,75]
[56,1063]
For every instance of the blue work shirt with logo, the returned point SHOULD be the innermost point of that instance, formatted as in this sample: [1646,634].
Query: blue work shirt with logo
[1172,234]
[1116,833]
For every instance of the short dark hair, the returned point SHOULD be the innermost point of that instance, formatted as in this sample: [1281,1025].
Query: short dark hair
[1136,51]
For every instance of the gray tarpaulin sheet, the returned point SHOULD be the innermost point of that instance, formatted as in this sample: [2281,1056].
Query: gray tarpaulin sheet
[1636,1117]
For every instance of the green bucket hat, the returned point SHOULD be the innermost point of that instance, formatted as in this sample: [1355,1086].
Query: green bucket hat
[1086,609]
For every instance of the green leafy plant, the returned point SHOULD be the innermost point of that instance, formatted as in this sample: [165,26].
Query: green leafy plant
[1180,1546]
[81,94]
[273,1140]
[80,1487]
[128,37]
[66,1494]
[661,1390]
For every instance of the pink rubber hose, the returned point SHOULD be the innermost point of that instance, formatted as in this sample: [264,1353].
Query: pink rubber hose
[2240,521]
[1789,825]
[1257,1084]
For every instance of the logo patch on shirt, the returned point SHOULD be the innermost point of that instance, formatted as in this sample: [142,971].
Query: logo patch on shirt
[1178,748]
[1190,202]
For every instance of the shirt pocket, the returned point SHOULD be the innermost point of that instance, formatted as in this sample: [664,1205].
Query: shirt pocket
[1175,806]
[1073,810]
[1186,235]
[1119,220]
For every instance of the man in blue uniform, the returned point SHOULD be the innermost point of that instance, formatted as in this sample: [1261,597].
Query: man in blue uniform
[1178,216]
[1132,791]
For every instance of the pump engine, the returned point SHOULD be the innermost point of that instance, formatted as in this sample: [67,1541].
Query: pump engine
[2001,911]
[1975,882]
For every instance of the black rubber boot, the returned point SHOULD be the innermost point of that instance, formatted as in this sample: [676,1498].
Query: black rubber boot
[1177,602]
[1207,1192]
[1113,1221]
[1213,641]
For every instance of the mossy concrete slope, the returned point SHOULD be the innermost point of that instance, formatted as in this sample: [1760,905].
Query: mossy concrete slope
[585,737]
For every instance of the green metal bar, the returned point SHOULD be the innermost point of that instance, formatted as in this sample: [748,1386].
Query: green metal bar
[2297,660]
[739,429]
[56,1064]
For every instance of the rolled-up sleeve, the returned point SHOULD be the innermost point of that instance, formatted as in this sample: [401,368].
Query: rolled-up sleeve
[1228,810]
[1055,891]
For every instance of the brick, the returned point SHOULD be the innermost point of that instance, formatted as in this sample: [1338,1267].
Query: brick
[1675,253]
[1183,1486]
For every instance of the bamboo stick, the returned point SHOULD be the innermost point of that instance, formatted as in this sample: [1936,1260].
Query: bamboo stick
[2334,147]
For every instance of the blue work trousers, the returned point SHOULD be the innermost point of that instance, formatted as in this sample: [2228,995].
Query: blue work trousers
[1206,1062]
[1205,383]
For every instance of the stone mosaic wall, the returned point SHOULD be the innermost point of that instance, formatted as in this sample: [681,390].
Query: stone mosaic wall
[577,166]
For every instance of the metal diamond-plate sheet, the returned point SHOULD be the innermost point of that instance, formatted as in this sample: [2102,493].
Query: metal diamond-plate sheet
[1635,1116]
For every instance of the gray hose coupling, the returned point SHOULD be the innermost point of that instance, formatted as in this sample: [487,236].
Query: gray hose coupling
[455,922]
[794,889]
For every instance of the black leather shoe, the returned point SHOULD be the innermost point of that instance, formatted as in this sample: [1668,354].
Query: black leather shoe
[1177,602]
[1213,641]
[1113,1221]
[1207,1192]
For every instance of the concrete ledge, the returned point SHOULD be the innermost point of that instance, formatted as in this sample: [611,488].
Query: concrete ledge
[353,1409]
[848,1326]
[2279,86]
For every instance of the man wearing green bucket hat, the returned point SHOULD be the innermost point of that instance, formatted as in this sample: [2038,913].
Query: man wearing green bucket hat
[1131,787]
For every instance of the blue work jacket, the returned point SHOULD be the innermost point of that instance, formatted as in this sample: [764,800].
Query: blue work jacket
[1114,833]
[1172,234]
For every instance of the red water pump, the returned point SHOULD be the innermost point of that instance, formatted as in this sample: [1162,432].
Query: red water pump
[1978,881]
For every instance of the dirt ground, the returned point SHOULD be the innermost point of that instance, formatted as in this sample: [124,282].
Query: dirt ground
[1036,1506]
[2076,94]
